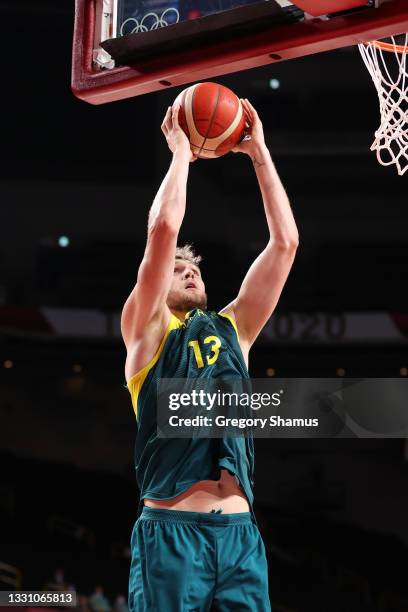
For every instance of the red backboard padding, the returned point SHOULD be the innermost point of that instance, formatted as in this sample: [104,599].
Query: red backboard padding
[323,7]
[251,51]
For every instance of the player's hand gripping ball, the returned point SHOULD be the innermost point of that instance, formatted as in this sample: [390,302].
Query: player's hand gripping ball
[212,117]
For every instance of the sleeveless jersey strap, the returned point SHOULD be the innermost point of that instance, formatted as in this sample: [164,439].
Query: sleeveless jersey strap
[231,320]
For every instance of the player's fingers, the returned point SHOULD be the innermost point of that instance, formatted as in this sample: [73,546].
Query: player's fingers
[248,126]
[244,105]
[251,109]
[250,106]
[247,112]
[165,124]
[247,115]
[169,121]
[175,113]
[166,116]
[247,131]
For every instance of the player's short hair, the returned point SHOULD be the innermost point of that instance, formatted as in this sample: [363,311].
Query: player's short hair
[187,253]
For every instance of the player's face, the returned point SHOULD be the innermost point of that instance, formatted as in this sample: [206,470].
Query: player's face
[187,289]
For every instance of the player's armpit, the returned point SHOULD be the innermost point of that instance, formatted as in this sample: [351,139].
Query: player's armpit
[261,289]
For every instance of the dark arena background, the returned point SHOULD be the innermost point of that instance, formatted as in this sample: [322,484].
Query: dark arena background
[76,185]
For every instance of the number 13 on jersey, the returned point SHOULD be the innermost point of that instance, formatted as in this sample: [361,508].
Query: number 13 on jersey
[215,343]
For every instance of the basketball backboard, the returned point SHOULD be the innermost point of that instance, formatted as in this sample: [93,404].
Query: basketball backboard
[125,48]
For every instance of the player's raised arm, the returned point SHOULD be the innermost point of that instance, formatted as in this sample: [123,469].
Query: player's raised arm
[264,281]
[147,301]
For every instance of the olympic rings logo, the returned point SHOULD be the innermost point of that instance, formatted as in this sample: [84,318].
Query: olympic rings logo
[151,21]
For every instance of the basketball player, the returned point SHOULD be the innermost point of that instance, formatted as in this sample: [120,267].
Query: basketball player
[196,545]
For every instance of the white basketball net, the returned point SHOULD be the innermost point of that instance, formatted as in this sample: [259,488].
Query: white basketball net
[388,70]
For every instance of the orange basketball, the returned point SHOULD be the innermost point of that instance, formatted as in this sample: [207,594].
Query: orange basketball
[212,117]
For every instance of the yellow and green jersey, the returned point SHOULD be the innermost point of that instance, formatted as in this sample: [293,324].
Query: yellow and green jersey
[204,345]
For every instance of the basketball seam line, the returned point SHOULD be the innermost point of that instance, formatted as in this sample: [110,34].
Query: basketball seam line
[211,120]
[193,114]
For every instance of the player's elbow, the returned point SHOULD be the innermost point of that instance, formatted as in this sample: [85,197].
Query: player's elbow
[293,242]
[287,243]
[163,226]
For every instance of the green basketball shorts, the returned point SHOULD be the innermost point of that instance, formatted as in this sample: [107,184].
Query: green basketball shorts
[197,562]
